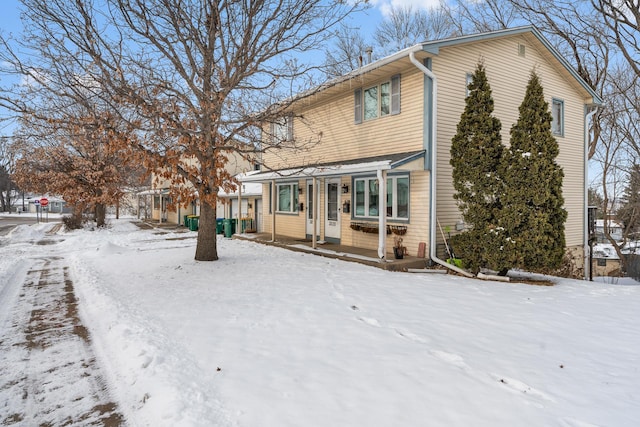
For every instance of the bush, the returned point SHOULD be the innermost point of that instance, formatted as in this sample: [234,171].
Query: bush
[72,222]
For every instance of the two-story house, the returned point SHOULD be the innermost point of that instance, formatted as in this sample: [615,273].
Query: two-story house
[243,202]
[382,162]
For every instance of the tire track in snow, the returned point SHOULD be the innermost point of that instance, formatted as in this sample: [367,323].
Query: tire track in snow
[48,371]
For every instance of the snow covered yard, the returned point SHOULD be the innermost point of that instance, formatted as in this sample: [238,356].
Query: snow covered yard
[270,337]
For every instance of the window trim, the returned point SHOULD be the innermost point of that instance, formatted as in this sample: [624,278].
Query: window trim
[557,129]
[294,199]
[393,102]
[394,180]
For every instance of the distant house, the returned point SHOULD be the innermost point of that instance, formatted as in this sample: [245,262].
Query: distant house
[615,230]
[54,204]
[382,163]
[606,261]
[165,209]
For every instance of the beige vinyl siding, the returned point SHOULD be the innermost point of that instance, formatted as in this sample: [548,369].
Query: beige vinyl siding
[508,74]
[343,139]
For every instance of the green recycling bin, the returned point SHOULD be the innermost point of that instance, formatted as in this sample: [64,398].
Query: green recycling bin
[219,225]
[229,227]
[194,222]
[185,222]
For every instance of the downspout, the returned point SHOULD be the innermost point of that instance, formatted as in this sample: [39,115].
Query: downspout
[587,247]
[382,213]
[434,167]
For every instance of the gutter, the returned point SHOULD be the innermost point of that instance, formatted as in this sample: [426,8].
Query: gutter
[434,167]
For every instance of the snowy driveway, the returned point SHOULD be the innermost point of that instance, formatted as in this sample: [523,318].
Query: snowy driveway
[48,371]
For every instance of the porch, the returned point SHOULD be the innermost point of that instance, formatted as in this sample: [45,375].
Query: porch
[331,250]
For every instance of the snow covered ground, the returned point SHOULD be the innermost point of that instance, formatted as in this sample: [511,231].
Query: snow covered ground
[270,337]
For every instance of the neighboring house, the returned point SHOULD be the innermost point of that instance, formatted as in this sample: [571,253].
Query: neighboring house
[164,209]
[386,129]
[55,205]
[250,196]
[615,230]
[606,261]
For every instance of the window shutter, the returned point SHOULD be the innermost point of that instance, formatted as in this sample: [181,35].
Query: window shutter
[357,98]
[395,94]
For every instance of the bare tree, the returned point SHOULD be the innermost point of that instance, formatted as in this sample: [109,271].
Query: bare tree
[406,26]
[470,16]
[615,154]
[347,53]
[7,164]
[622,18]
[193,79]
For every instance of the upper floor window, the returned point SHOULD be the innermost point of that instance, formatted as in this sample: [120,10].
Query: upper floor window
[367,197]
[282,129]
[469,81]
[557,116]
[377,101]
[287,198]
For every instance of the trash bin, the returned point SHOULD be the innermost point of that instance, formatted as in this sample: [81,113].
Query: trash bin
[228,231]
[219,225]
[234,223]
[186,221]
[194,222]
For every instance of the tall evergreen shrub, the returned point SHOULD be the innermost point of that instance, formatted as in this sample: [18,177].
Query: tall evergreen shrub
[533,215]
[476,157]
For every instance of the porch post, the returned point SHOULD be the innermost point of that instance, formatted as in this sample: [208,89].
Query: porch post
[382,213]
[314,214]
[273,210]
[239,220]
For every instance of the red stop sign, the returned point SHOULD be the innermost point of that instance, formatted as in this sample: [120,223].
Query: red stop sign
[44,201]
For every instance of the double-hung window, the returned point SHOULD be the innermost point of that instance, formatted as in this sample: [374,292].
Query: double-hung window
[469,81]
[557,116]
[367,197]
[282,129]
[377,101]
[287,198]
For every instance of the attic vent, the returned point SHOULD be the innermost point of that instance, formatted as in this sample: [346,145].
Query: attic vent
[521,50]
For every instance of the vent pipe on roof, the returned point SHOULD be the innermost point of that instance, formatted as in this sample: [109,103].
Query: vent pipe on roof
[369,51]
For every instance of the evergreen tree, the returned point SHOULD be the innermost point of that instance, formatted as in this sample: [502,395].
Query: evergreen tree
[534,216]
[629,211]
[476,152]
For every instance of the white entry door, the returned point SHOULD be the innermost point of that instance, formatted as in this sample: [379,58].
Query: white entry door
[312,203]
[331,209]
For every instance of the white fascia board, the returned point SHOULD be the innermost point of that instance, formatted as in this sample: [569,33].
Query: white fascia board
[320,171]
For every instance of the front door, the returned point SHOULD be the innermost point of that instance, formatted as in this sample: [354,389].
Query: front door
[311,205]
[331,206]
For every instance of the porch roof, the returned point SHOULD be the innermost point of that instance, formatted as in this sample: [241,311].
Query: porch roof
[345,167]
[154,192]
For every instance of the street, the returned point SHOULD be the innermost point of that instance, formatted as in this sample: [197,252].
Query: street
[9,222]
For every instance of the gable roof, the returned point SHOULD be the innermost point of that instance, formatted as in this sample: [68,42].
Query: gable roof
[393,63]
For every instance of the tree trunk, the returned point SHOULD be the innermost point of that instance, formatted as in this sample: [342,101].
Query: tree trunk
[207,247]
[101,211]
